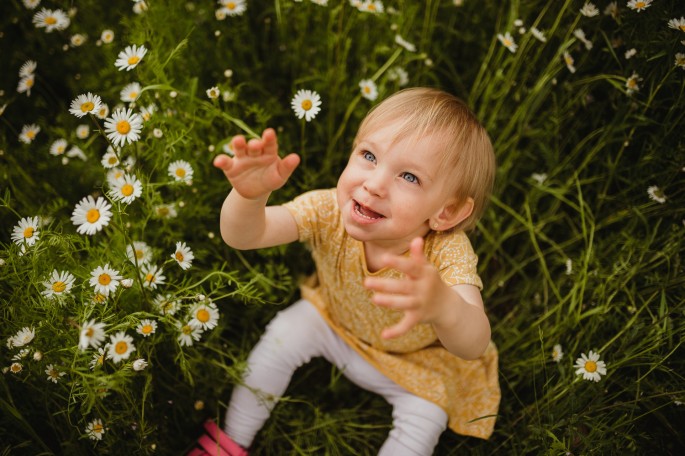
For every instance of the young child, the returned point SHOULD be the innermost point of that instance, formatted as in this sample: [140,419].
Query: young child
[395,303]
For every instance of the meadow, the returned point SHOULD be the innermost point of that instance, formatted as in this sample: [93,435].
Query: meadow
[126,320]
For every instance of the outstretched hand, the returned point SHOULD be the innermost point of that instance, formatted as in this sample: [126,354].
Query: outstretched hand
[420,294]
[256,169]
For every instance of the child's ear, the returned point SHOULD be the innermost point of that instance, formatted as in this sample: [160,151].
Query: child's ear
[452,215]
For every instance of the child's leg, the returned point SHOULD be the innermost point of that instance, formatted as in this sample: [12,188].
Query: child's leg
[291,339]
[417,422]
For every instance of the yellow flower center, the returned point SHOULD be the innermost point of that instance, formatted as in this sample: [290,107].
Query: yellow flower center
[28,232]
[87,106]
[640,5]
[101,360]
[230,5]
[187,330]
[113,160]
[307,105]
[123,127]
[140,254]
[121,347]
[367,89]
[163,211]
[99,298]
[568,59]
[90,332]
[590,366]
[632,83]
[147,329]
[97,428]
[682,28]
[93,215]
[29,83]
[59,287]
[31,134]
[371,7]
[180,172]
[133,60]
[179,256]
[507,42]
[60,150]
[16,367]
[127,189]
[104,279]
[150,277]
[202,315]
[133,95]
[51,20]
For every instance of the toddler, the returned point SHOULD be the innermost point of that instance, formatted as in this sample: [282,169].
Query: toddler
[395,302]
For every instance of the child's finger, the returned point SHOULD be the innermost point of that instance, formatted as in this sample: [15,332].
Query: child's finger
[223,162]
[394,301]
[287,165]
[255,147]
[388,285]
[405,324]
[270,142]
[239,146]
[406,265]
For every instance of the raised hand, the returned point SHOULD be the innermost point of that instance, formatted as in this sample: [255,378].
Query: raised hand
[420,294]
[256,169]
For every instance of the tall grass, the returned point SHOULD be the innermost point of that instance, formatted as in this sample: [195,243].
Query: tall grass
[573,250]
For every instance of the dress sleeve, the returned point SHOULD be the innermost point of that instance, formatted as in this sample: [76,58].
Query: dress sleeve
[455,259]
[312,211]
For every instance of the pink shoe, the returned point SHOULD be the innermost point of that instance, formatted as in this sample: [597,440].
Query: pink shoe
[224,440]
[197,452]
[211,446]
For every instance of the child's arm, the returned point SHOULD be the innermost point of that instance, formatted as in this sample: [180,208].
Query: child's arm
[456,312]
[254,172]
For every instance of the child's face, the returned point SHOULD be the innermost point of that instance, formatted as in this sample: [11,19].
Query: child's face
[389,191]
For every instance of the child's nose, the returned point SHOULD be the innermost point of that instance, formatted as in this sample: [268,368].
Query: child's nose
[376,184]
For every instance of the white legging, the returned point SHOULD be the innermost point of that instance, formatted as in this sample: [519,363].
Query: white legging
[293,338]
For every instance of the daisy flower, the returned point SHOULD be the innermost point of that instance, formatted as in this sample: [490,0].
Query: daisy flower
[86,103]
[26,84]
[23,337]
[53,373]
[103,112]
[371,6]
[540,178]
[76,151]
[77,39]
[130,57]
[82,131]
[26,231]
[630,53]
[58,147]
[306,103]
[213,92]
[508,41]
[104,279]
[639,5]
[233,7]
[28,133]
[120,347]
[204,316]
[140,252]
[113,175]
[589,10]
[611,10]
[99,298]
[28,68]
[16,368]
[139,364]
[320,2]
[404,43]
[538,34]
[31,4]
[181,171]
[130,92]
[110,159]
[146,112]
[590,366]
[98,358]
[398,74]
[92,335]
[127,189]
[51,20]
[580,34]
[183,255]
[107,36]
[187,334]
[166,305]
[557,353]
[91,215]
[153,275]
[124,126]
[680,60]
[166,211]
[59,284]
[95,429]
[146,327]
[368,89]
[678,24]
[568,60]
[632,85]
[656,194]
[140,7]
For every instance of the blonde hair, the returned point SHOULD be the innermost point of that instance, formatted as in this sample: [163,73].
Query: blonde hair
[467,152]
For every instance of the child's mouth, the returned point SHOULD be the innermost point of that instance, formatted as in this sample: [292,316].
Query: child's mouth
[366,213]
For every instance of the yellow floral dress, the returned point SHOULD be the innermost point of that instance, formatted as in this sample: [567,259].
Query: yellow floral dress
[467,390]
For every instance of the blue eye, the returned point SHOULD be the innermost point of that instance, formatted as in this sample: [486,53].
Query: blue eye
[369,156]
[409,177]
